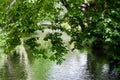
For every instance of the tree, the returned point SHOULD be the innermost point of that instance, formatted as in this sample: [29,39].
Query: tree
[94,23]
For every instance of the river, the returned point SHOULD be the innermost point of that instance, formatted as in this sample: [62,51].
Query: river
[75,67]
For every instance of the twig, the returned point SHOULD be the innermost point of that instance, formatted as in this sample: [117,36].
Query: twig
[10,5]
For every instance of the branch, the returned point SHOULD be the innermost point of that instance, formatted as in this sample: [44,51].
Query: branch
[81,24]
[10,5]
[64,2]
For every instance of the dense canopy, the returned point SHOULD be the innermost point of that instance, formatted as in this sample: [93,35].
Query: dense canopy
[89,23]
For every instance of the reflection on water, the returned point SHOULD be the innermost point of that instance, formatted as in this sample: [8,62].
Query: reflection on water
[74,68]
[12,70]
[77,66]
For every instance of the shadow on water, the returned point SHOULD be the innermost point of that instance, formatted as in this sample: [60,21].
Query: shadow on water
[100,66]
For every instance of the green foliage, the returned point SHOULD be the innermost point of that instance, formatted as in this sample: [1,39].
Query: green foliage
[57,46]
[97,21]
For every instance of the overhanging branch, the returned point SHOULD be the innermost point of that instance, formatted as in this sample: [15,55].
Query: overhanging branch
[10,5]
[64,2]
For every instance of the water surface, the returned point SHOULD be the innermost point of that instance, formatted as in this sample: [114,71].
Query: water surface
[75,67]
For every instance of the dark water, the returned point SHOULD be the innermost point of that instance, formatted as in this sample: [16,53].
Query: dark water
[77,66]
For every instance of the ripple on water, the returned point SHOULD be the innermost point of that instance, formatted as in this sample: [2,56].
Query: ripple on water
[73,68]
